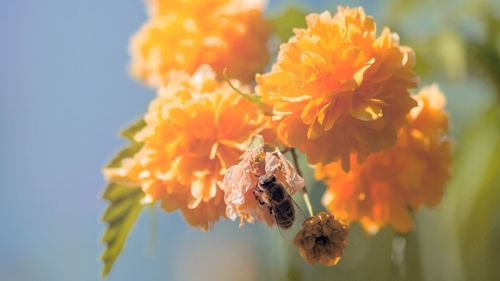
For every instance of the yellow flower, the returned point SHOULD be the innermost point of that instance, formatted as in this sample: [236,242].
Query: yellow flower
[337,88]
[195,129]
[241,180]
[389,186]
[322,239]
[182,35]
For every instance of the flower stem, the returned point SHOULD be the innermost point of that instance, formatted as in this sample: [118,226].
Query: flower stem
[308,202]
[305,193]
[296,161]
[398,256]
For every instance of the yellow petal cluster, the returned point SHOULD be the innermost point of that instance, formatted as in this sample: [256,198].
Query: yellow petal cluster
[322,239]
[195,129]
[388,186]
[338,88]
[158,8]
[182,35]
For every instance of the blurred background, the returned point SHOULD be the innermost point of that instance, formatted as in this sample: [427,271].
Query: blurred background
[65,92]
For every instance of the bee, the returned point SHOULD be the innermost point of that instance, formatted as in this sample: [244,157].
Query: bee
[271,193]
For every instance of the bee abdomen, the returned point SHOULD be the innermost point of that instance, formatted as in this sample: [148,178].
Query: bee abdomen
[285,214]
[286,223]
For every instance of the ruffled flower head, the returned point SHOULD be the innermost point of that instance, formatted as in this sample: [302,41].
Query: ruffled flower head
[337,88]
[322,239]
[389,186]
[195,129]
[241,180]
[182,35]
[158,8]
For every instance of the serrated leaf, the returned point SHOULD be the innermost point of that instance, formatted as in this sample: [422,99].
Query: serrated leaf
[120,215]
[132,148]
[284,23]
[131,130]
[126,152]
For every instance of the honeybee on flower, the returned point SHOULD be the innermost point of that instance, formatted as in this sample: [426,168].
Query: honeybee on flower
[195,129]
[338,92]
[259,187]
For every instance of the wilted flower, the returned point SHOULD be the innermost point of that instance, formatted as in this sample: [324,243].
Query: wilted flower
[241,180]
[182,35]
[195,129]
[337,88]
[322,239]
[388,186]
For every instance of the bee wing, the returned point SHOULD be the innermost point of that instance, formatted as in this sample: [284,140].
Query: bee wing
[289,233]
[285,233]
[300,215]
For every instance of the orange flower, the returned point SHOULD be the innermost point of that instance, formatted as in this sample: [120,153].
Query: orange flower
[162,7]
[389,186]
[182,35]
[322,239]
[241,180]
[337,88]
[195,129]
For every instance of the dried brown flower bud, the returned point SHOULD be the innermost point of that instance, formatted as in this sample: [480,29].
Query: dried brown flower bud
[322,239]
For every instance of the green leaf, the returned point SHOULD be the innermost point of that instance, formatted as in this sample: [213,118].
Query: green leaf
[126,152]
[284,23]
[252,98]
[131,130]
[132,148]
[450,48]
[120,216]
[479,228]
[256,142]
